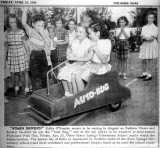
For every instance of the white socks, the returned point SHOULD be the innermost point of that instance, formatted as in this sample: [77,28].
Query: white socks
[26,89]
[16,88]
[144,73]
[68,94]
[149,75]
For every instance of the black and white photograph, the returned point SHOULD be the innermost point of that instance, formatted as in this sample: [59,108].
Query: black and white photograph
[55,69]
[82,66]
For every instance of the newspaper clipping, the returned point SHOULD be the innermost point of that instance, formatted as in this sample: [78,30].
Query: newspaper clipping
[79,73]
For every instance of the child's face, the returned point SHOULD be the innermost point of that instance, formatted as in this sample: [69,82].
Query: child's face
[51,32]
[122,23]
[71,25]
[151,18]
[38,25]
[93,35]
[59,24]
[81,33]
[13,23]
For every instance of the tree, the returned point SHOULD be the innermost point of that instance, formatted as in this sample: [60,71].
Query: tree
[50,13]
[101,14]
[139,16]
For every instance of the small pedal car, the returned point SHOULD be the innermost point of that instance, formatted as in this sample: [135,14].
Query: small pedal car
[49,105]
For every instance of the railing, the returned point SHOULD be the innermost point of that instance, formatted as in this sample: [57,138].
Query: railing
[52,70]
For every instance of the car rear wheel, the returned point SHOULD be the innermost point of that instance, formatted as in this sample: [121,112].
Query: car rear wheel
[115,106]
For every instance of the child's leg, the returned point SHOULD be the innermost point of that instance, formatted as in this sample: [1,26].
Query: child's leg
[5,88]
[65,86]
[144,65]
[124,63]
[12,80]
[75,89]
[26,76]
[16,83]
[144,68]
[79,82]
[120,67]
[150,65]
[70,87]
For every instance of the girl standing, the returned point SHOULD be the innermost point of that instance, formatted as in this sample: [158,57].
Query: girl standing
[98,63]
[78,49]
[38,43]
[122,34]
[72,31]
[18,53]
[149,48]
[62,40]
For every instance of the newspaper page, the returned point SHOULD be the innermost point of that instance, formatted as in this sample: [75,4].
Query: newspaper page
[117,106]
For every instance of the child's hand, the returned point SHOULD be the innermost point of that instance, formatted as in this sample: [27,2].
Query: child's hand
[71,57]
[93,48]
[122,29]
[48,52]
[41,31]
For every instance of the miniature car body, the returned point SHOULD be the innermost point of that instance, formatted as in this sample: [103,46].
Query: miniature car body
[101,90]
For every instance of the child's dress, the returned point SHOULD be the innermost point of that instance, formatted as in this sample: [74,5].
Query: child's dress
[72,36]
[122,44]
[61,49]
[149,49]
[17,57]
[78,50]
[95,65]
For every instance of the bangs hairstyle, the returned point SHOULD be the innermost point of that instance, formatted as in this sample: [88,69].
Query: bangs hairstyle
[72,20]
[122,18]
[18,22]
[37,18]
[152,13]
[100,27]
[83,26]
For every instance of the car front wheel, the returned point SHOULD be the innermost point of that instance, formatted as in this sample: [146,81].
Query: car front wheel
[115,106]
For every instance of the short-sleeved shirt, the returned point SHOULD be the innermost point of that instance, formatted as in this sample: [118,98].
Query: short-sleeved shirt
[79,48]
[104,46]
[61,33]
[149,30]
[127,31]
[72,36]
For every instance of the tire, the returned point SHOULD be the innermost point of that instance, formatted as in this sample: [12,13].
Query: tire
[115,106]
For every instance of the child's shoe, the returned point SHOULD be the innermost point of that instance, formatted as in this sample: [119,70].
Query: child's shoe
[120,74]
[68,94]
[124,76]
[26,92]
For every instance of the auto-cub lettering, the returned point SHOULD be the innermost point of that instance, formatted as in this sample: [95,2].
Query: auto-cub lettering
[90,95]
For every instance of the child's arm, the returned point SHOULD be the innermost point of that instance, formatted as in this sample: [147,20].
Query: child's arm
[118,35]
[5,53]
[103,58]
[66,41]
[45,36]
[125,34]
[54,43]
[87,56]
[24,20]
[26,47]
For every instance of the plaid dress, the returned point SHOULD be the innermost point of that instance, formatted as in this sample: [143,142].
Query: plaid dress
[61,49]
[122,49]
[17,56]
